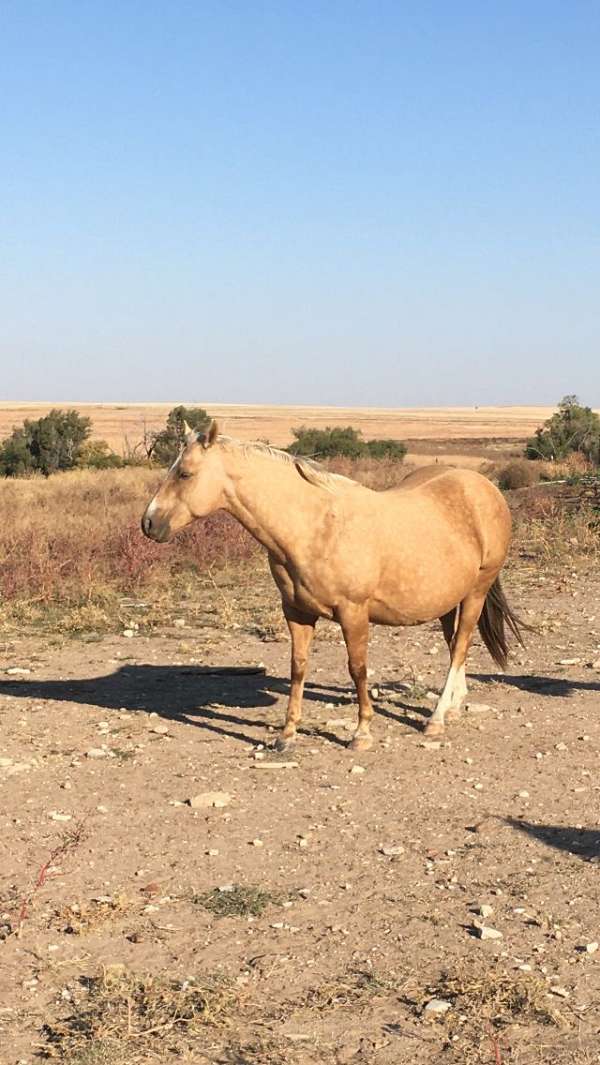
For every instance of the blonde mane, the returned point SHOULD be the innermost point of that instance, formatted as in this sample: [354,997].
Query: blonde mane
[310,470]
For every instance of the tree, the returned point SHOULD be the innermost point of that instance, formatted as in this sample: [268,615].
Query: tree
[47,444]
[572,428]
[16,459]
[167,444]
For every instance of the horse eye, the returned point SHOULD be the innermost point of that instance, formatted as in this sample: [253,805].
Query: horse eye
[184,475]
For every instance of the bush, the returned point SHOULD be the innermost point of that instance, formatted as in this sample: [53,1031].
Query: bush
[348,443]
[96,455]
[46,445]
[518,474]
[572,429]
[167,444]
[386,449]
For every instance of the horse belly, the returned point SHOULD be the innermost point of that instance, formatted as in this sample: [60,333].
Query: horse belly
[423,597]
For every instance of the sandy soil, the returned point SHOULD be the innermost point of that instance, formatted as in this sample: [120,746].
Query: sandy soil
[375,874]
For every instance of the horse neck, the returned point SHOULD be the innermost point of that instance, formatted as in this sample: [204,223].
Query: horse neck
[271,500]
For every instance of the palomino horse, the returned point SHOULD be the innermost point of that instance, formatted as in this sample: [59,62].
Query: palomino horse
[431,548]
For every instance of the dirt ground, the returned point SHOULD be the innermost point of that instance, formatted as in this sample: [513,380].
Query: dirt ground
[350,883]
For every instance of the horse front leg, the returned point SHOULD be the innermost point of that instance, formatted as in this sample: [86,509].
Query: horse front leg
[355,627]
[302,628]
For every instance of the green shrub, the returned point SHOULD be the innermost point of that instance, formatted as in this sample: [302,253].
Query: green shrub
[46,445]
[572,429]
[96,455]
[386,449]
[347,442]
[167,444]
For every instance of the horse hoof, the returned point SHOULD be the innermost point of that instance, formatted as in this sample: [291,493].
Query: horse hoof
[283,743]
[361,743]
[433,728]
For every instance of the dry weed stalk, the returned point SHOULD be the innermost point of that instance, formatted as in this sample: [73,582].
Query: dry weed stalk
[70,841]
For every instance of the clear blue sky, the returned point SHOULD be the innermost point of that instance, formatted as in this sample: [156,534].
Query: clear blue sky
[370,202]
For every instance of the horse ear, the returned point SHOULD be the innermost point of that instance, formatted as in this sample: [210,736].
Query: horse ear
[188,432]
[212,434]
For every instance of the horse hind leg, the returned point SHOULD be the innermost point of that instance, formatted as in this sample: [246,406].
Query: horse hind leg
[459,626]
[458,681]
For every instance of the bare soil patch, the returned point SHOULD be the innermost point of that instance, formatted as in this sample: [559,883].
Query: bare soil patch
[315,915]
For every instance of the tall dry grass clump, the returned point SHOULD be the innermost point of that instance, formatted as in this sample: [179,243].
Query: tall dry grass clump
[76,537]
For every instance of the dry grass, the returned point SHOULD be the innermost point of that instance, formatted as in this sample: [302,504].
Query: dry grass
[81,918]
[353,989]
[122,424]
[73,558]
[237,901]
[489,1008]
[73,541]
[120,1017]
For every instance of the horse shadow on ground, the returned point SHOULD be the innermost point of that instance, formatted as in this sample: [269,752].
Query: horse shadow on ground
[225,704]
[581,842]
[554,686]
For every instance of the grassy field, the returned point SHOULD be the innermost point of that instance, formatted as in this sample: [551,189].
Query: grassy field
[125,424]
[73,558]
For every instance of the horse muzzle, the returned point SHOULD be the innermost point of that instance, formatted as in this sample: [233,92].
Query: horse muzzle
[155,529]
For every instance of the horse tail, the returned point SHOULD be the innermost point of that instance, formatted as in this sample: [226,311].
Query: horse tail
[496,617]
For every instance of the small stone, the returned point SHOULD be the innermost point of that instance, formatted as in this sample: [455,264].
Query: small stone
[484,910]
[210,799]
[479,708]
[438,1005]
[128,633]
[561,992]
[55,816]
[525,968]
[160,730]
[303,841]
[569,661]
[431,745]
[96,752]
[390,852]
[560,747]
[17,671]
[596,664]
[523,794]
[374,693]
[485,932]
[102,809]
[179,623]
[256,843]
[273,765]
[591,948]
[4,762]
[212,853]
[357,769]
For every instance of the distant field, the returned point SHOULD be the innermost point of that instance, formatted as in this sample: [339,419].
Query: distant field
[483,430]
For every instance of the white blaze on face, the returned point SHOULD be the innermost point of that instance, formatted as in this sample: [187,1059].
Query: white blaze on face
[152,505]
